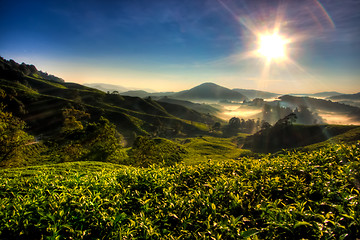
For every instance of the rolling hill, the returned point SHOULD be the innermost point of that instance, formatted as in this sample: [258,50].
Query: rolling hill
[106,87]
[40,103]
[142,93]
[325,94]
[355,96]
[200,107]
[317,95]
[321,105]
[251,94]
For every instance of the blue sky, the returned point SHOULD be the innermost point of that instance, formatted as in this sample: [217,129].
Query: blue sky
[169,45]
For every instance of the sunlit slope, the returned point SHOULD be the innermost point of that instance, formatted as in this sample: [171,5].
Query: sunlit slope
[205,149]
[297,195]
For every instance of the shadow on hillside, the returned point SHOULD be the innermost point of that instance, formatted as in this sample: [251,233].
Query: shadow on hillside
[292,136]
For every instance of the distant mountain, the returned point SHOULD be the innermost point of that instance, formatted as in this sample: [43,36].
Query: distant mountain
[252,94]
[142,93]
[318,95]
[136,93]
[106,87]
[210,91]
[355,96]
[326,94]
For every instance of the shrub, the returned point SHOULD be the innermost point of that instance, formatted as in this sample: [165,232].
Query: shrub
[159,151]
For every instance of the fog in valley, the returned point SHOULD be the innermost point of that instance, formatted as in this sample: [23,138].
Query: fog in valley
[256,111]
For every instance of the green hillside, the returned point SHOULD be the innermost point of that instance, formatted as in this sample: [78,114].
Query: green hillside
[40,103]
[296,195]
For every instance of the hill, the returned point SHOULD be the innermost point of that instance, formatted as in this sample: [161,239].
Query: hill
[106,87]
[9,69]
[142,93]
[211,92]
[136,93]
[200,107]
[315,104]
[188,113]
[317,95]
[325,94]
[40,103]
[251,94]
[355,96]
[278,137]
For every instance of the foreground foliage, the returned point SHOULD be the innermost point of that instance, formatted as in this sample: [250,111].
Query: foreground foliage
[290,196]
[13,138]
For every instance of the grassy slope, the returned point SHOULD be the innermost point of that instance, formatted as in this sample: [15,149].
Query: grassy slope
[292,196]
[205,149]
[43,100]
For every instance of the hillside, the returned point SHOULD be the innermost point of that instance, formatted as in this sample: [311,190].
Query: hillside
[322,105]
[317,95]
[251,94]
[200,107]
[294,195]
[142,94]
[326,94]
[277,138]
[188,113]
[355,96]
[9,69]
[40,103]
[106,87]
[211,92]
[136,93]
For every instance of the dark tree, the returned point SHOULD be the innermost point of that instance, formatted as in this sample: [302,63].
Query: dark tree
[265,125]
[287,120]
[234,123]
[216,126]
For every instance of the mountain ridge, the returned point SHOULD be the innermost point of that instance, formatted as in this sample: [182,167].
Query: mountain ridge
[252,93]
[355,96]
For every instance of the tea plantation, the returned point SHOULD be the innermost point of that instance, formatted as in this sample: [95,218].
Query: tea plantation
[292,195]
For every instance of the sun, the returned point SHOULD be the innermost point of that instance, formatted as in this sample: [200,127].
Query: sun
[272,47]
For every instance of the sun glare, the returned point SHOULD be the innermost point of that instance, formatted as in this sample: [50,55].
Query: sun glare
[272,46]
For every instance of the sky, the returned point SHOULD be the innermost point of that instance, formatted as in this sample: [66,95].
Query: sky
[168,45]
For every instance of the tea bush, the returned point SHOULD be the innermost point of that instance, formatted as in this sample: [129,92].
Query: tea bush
[312,195]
